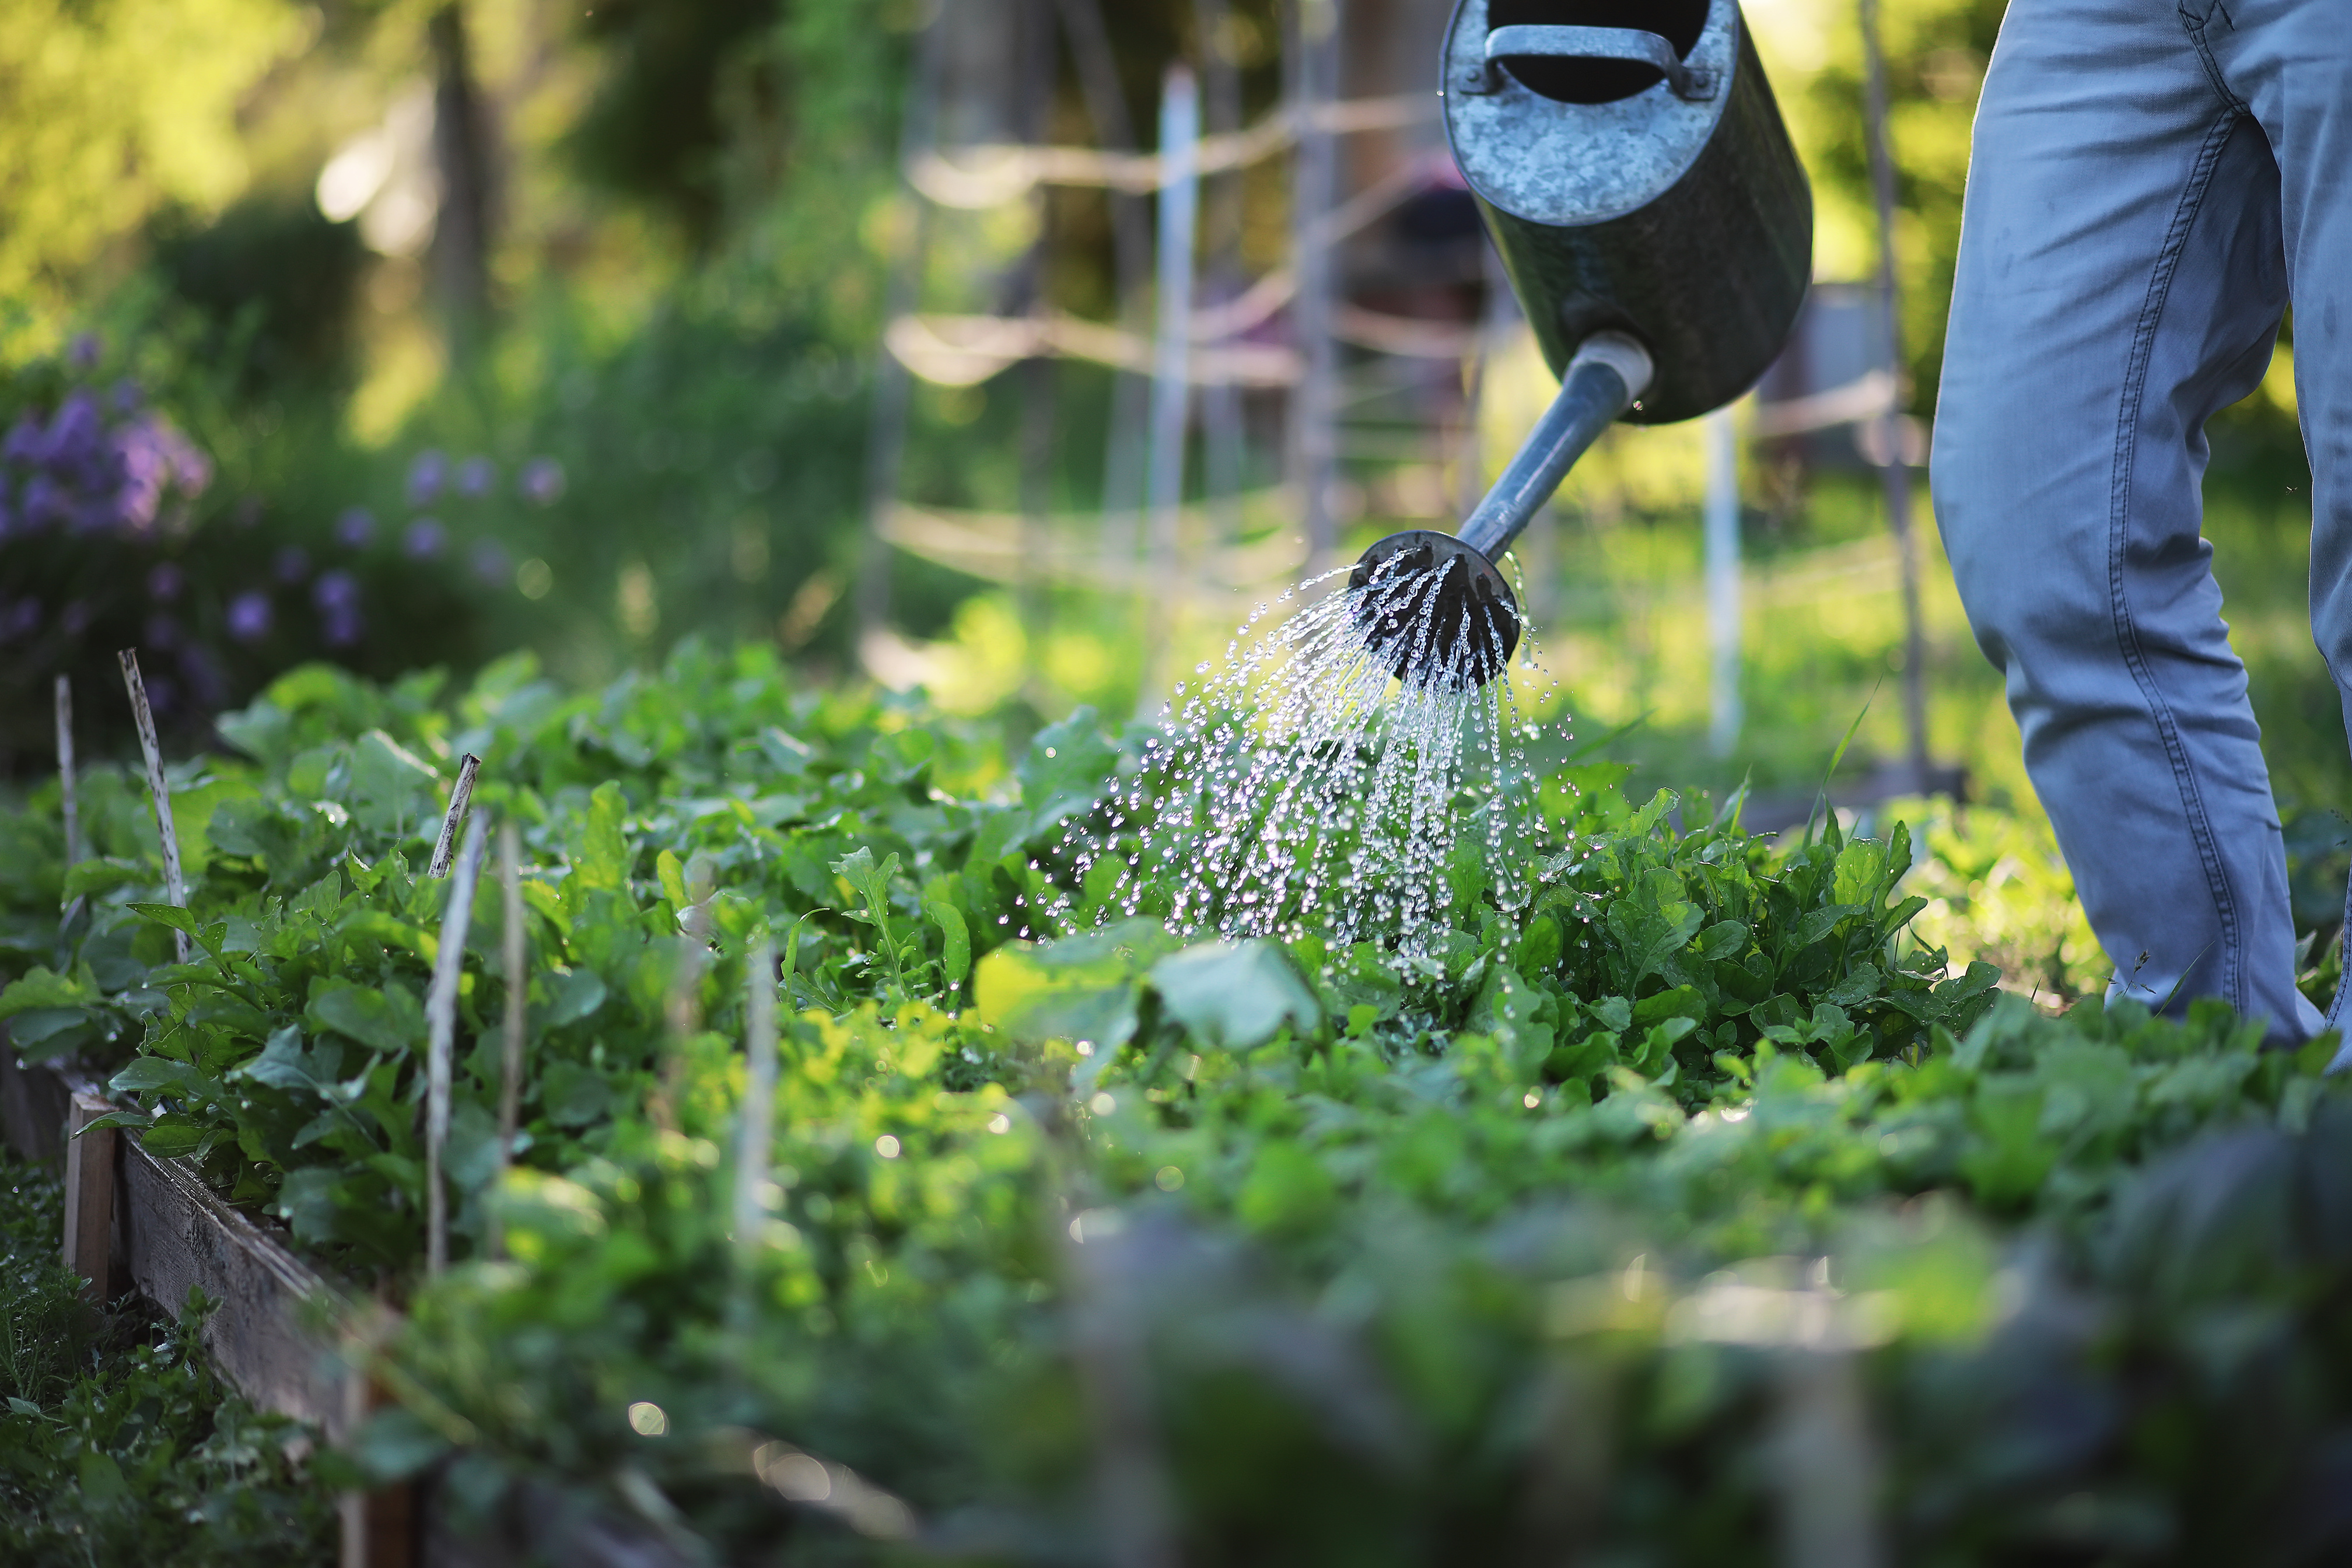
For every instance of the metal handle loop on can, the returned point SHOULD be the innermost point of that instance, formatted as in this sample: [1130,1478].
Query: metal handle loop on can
[1630,43]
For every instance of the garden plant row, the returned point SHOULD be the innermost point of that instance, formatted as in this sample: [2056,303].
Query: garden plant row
[1688,1212]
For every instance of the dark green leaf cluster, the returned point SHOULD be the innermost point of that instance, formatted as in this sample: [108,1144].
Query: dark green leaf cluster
[118,1445]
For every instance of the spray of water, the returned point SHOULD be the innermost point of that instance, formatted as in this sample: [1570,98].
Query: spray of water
[1306,786]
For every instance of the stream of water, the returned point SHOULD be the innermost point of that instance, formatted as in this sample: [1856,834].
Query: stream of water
[1304,785]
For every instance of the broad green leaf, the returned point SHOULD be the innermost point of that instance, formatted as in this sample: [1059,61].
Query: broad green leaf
[1235,996]
[43,989]
[388,1019]
[956,961]
[1064,770]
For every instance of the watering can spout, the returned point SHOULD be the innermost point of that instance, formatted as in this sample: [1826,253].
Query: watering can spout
[1433,606]
[1646,201]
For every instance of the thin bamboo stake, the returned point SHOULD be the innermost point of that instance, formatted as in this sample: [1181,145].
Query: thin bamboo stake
[175,892]
[441,1028]
[518,969]
[756,1128]
[66,780]
[461,801]
[69,789]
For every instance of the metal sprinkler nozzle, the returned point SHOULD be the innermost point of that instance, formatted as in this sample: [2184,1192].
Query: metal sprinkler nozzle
[1431,605]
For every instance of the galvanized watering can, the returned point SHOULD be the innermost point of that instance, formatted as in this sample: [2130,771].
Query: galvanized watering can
[1657,227]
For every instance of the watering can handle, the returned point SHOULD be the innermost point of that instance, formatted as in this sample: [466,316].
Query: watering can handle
[1586,44]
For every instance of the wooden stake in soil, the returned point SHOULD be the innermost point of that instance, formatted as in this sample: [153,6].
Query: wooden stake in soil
[71,800]
[441,1026]
[68,787]
[461,801]
[518,1018]
[89,1195]
[756,1130]
[174,893]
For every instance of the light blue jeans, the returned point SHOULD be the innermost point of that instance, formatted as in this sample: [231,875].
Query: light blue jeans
[2152,182]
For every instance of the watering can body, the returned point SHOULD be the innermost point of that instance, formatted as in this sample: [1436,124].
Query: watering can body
[1635,175]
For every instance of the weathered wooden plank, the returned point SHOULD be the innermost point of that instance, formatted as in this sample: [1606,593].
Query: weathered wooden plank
[180,1237]
[90,1194]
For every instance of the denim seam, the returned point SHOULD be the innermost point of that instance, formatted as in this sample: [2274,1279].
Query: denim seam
[2197,38]
[2192,801]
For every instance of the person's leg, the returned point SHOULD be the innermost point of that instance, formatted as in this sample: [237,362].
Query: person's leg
[2291,64]
[2120,280]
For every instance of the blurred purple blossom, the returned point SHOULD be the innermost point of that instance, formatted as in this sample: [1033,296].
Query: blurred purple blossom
[542,481]
[424,538]
[164,581]
[249,616]
[75,618]
[340,628]
[335,591]
[19,619]
[163,693]
[490,562]
[81,355]
[203,676]
[355,530]
[292,564]
[426,477]
[475,478]
[163,631]
[128,397]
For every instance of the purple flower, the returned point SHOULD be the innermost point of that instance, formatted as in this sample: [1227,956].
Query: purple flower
[475,478]
[19,619]
[335,591]
[293,564]
[355,530]
[249,616]
[490,562]
[163,631]
[163,693]
[81,355]
[203,676]
[341,628]
[164,581]
[44,502]
[426,476]
[128,397]
[424,538]
[23,442]
[75,619]
[73,436]
[542,481]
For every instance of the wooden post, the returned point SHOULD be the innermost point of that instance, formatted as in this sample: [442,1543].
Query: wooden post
[1723,611]
[1894,466]
[1172,386]
[1314,410]
[89,1195]
[379,1528]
